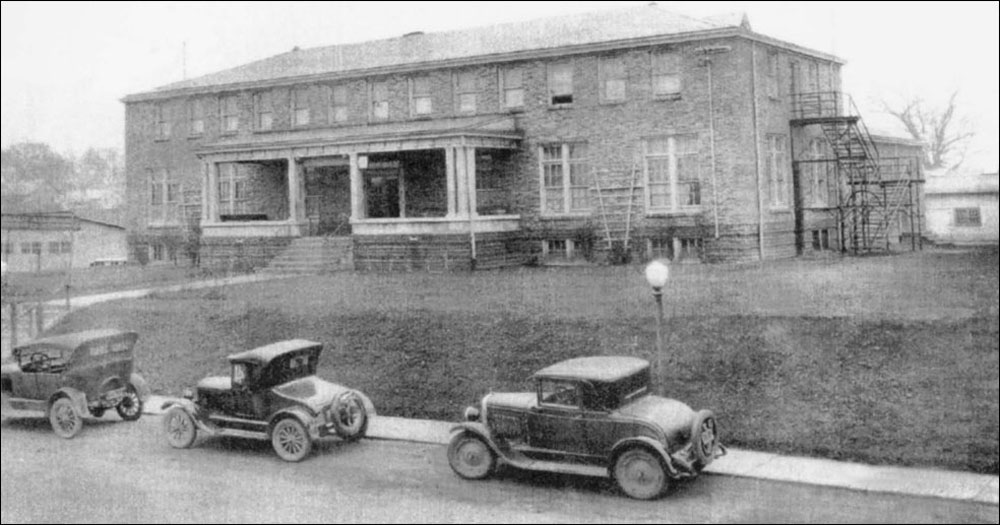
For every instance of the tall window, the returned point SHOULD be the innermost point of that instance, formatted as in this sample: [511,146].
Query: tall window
[771,75]
[666,74]
[561,84]
[264,106]
[197,116]
[466,88]
[812,77]
[162,122]
[968,217]
[420,96]
[232,189]
[229,111]
[301,115]
[777,170]
[338,104]
[565,175]
[817,172]
[673,182]
[164,197]
[512,85]
[380,100]
[613,79]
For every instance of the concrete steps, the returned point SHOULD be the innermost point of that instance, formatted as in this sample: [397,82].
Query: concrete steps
[313,256]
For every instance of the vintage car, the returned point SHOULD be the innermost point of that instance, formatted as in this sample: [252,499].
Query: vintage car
[589,416]
[271,393]
[72,375]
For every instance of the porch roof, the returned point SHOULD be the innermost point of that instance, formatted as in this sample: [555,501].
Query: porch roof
[499,132]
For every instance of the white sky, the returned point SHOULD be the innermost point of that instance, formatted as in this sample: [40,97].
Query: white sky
[65,66]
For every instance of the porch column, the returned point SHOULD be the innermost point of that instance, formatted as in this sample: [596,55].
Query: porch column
[357,189]
[449,170]
[470,175]
[210,197]
[461,181]
[295,204]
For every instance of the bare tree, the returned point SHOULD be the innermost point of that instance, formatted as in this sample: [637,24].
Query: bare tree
[944,136]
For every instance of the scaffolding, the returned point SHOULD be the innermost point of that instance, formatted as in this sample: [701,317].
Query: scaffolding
[873,193]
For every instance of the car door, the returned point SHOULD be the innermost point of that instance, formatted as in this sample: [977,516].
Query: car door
[556,424]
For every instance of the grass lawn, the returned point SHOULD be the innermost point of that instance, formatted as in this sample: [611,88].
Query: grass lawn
[51,285]
[883,359]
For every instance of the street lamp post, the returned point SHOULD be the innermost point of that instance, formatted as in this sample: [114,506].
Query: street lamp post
[657,274]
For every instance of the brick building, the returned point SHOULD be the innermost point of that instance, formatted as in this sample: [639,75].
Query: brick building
[635,130]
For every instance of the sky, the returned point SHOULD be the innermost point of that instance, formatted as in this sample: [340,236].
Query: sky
[65,67]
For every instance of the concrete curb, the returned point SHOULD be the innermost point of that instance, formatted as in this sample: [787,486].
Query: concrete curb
[963,486]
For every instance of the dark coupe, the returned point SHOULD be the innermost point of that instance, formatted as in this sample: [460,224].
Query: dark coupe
[589,416]
[272,393]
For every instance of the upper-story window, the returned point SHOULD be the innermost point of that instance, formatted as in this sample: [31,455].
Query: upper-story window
[771,74]
[777,170]
[229,113]
[466,89]
[512,87]
[162,121]
[565,175]
[613,79]
[673,181]
[264,107]
[421,102]
[197,116]
[666,74]
[338,104]
[812,77]
[301,114]
[561,84]
[380,100]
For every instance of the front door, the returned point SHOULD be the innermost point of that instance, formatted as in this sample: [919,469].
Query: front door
[557,423]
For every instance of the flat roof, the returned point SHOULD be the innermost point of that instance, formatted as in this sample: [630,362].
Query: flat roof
[602,369]
[264,354]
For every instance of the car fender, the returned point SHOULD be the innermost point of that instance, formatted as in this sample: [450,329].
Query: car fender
[192,410]
[111,383]
[78,398]
[645,442]
[479,430]
[299,413]
[140,385]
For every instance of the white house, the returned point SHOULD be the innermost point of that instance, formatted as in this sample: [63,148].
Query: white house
[40,242]
[962,208]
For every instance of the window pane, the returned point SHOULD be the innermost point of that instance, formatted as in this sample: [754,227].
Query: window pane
[381,110]
[659,195]
[380,91]
[614,90]
[513,78]
[552,153]
[422,106]
[514,98]
[554,176]
[467,102]
[339,96]
[301,116]
[266,121]
[666,85]
[340,114]
[560,80]
[421,86]
[466,82]
[659,170]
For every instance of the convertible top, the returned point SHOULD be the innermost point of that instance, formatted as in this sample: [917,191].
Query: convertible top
[601,369]
[76,339]
[265,354]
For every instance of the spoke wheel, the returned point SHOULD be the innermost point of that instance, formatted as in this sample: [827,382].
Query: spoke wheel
[640,474]
[291,440]
[180,428]
[65,420]
[349,417]
[470,457]
[130,407]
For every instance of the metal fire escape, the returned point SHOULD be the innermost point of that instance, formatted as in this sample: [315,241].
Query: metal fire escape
[872,191]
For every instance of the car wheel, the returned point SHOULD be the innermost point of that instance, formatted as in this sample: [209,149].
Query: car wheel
[291,439]
[64,418]
[97,412]
[130,407]
[704,438]
[349,417]
[470,457]
[640,474]
[180,428]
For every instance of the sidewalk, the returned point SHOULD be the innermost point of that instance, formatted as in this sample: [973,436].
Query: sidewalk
[964,486]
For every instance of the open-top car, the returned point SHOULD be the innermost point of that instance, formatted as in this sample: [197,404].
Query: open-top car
[589,416]
[70,376]
[272,393]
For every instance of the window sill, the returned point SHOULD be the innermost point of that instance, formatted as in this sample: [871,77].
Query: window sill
[195,136]
[780,209]
[518,109]
[667,98]
[560,107]
[161,139]
[229,133]
[614,102]
[682,212]
[569,215]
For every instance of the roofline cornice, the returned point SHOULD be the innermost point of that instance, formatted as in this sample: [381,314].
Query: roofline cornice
[531,54]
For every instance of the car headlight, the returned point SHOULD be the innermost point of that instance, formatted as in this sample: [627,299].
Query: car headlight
[189,395]
[472,414]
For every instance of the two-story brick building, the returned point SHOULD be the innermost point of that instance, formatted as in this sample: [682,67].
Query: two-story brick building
[659,133]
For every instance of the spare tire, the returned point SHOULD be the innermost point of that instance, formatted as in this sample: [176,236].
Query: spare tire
[350,419]
[704,438]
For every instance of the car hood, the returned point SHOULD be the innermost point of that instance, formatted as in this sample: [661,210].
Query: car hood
[215,383]
[9,368]
[311,391]
[672,416]
[519,400]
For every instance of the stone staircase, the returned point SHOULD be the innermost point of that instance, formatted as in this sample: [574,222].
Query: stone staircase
[313,256]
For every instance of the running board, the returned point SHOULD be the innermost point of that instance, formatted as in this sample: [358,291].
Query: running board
[557,467]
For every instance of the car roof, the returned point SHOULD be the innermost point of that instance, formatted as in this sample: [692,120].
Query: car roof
[75,339]
[603,369]
[265,354]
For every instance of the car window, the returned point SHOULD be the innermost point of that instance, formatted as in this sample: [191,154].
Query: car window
[40,359]
[239,374]
[554,392]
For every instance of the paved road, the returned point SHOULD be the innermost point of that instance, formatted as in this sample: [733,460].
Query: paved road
[122,472]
